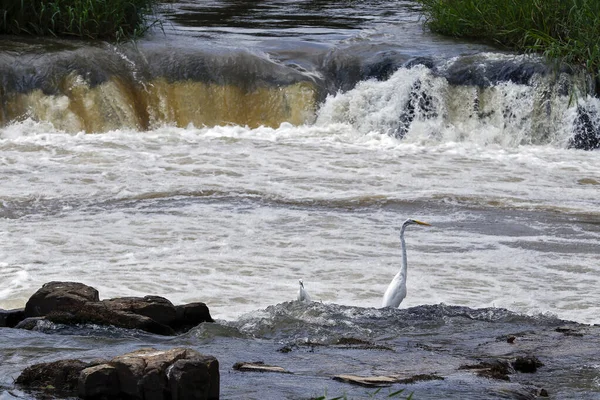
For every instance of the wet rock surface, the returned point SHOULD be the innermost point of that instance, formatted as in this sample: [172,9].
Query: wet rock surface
[72,303]
[258,366]
[433,351]
[177,373]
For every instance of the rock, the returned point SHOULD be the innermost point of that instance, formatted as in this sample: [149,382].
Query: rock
[191,314]
[97,313]
[376,381]
[419,378]
[367,381]
[587,132]
[59,296]
[569,331]
[528,364]
[147,374]
[498,369]
[59,376]
[154,385]
[97,381]
[354,343]
[130,370]
[258,366]
[30,323]
[75,303]
[190,379]
[285,349]
[10,318]
[157,308]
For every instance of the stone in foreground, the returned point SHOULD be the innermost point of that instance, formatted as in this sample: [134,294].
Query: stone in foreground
[175,374]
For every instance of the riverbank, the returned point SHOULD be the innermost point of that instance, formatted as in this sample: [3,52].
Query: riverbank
[94,19]
[566,31]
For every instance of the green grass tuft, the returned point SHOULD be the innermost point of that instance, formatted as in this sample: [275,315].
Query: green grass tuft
[103,19]
[565,30]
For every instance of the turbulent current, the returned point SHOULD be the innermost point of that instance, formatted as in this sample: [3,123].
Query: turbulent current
[242,148]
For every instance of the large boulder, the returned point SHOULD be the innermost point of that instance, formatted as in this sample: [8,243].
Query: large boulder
[59,296]
[75,303]
[146,374]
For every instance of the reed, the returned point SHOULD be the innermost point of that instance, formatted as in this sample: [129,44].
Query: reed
[104,19]
[565,30]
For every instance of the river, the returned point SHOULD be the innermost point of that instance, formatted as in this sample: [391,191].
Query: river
[242,146]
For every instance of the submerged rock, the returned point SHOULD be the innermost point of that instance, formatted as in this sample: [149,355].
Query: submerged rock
[177,373]
[527,364]
[498,369]
[388,380]
[501,369]
[258,366]
[75,303]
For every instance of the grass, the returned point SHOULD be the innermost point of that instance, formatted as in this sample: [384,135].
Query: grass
[96,19]
[563,30]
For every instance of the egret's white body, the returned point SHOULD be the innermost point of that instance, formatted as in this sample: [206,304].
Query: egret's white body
[396,291]
[302,293]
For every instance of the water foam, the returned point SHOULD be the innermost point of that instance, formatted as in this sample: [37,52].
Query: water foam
[421,106]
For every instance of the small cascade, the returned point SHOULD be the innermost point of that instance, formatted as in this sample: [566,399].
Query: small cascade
[98,89]
[487,98]
[117,104]
[491,99]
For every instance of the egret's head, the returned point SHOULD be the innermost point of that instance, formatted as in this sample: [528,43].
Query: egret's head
[301,283]
[414,222]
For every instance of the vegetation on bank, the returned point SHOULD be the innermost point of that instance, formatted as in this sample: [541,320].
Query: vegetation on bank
[566,30]
[97,19]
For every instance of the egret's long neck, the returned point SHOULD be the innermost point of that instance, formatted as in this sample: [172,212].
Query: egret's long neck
[403,268]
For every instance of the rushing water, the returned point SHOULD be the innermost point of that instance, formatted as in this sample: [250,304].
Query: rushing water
[251,144]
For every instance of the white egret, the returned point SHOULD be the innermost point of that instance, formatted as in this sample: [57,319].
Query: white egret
[396,291]
[302,293]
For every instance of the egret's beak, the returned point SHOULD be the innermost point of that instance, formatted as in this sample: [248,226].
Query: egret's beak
[422,223]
